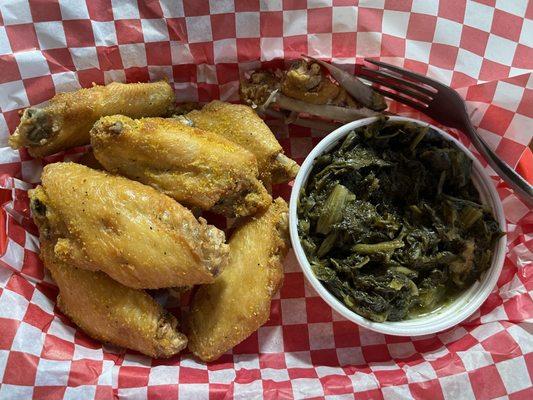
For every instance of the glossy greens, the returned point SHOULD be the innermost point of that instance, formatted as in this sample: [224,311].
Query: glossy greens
[391,222]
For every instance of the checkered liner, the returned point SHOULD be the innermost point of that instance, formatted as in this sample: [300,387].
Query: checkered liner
[484,48]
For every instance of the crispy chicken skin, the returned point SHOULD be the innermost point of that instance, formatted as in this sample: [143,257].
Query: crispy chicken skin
[132,232]
[241,124]
[111,312]
[226,312]
[66,121]
[307,82]
[302,81]
[197,168]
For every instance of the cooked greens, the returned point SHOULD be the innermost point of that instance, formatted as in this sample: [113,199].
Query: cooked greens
[391,222]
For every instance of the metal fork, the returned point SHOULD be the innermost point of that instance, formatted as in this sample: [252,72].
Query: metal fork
[444,105]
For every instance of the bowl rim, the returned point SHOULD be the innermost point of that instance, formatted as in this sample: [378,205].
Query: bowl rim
[454,312]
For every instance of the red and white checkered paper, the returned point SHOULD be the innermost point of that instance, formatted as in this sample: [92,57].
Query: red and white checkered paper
[483,47]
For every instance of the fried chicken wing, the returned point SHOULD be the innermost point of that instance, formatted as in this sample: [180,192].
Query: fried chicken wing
[66,121]
[226,312]
[111,312]
[197,168]
[240,124]
[132,232]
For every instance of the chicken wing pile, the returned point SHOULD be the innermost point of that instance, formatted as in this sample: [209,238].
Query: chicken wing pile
[125,218]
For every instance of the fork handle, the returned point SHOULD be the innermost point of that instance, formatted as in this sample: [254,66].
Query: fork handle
[520,186]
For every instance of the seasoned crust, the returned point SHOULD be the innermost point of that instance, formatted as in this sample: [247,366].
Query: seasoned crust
[66,120]
[241,124]
[112,313]
[135,234]
[196,167]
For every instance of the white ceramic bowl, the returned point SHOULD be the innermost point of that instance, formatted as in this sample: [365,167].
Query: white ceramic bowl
[446,317]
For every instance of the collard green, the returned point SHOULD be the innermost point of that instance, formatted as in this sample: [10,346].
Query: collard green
[392,223]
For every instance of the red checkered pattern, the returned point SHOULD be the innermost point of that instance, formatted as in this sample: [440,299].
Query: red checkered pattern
[483,48]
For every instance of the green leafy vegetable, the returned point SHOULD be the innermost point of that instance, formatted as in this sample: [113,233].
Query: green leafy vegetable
[333,207]
[391,221]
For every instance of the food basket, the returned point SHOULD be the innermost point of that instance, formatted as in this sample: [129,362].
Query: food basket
[305,350]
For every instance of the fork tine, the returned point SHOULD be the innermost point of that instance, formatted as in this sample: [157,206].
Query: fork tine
[402,99]
[401,71]
[390,83]
[364,71]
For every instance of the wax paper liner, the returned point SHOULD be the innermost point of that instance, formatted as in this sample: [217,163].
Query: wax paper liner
[304,350]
